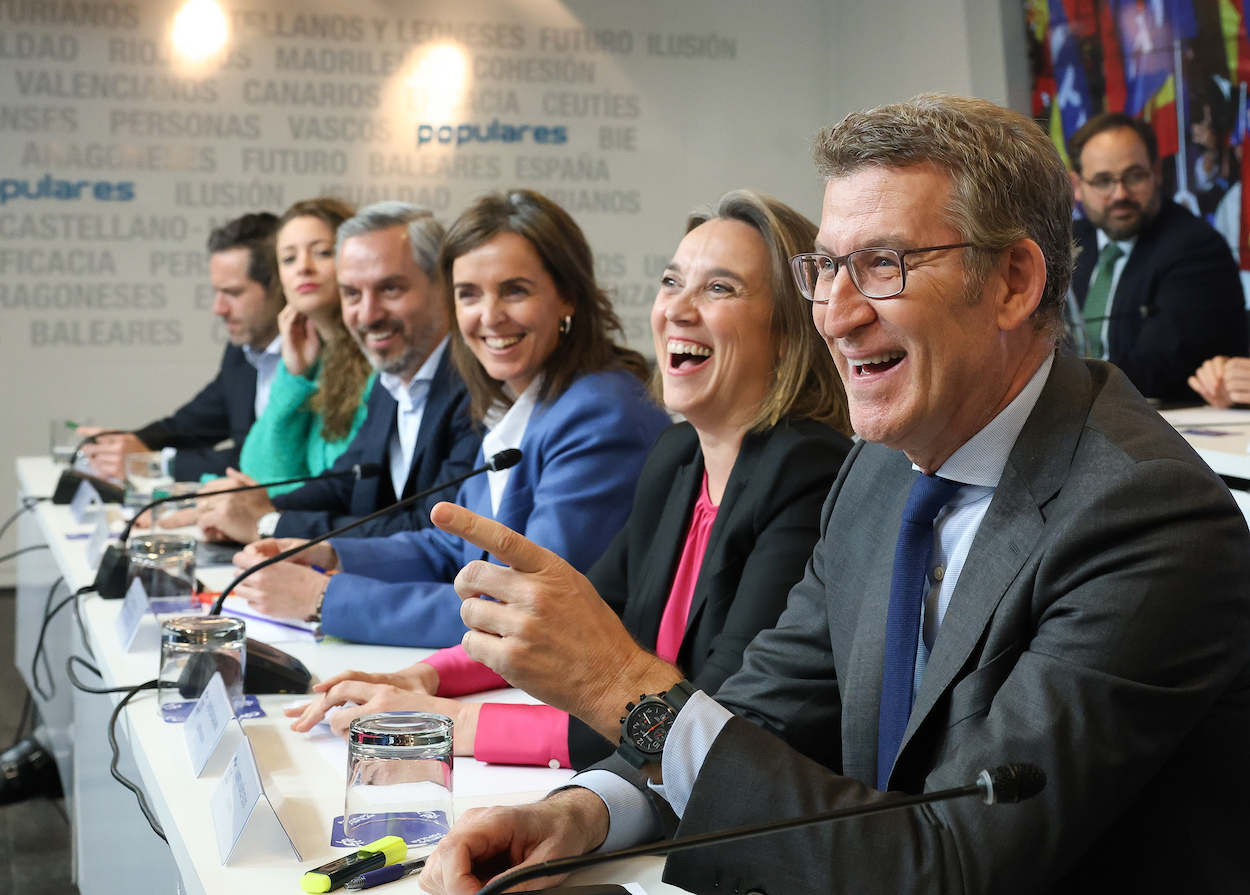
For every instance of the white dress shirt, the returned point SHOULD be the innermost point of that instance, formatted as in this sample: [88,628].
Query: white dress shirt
[505,429]
[411,398]
[978,463]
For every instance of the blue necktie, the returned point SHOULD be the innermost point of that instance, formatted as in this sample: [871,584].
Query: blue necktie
[902,625]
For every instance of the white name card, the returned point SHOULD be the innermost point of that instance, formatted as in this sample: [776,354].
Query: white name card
[209,720]
[131,620]
[85,498]
[240,806]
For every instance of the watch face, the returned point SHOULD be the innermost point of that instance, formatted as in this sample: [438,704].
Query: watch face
[648,725]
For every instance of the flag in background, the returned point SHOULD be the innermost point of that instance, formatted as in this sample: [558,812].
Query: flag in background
[1072,99]
[1148,32]
[1237,48]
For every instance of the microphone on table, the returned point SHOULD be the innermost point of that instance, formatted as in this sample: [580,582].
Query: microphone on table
[1006,783]
[270,670]
[505,459]
[110,492]
[110,577]
[1141,312]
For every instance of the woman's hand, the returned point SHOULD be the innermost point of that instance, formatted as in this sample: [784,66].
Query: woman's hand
[283,590]
[300,342]
[371,697]
[1209,382]
[320,555]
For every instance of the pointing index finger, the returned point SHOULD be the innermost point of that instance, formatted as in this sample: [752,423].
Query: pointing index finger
[498,540]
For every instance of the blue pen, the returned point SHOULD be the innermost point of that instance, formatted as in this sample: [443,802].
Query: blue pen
[385,875]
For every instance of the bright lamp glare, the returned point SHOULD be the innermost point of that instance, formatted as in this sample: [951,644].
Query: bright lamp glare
[200,29]
[439,77]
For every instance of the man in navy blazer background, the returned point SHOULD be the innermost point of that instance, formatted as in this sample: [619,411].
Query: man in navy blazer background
[248,298]
[417,428]
[1157,286]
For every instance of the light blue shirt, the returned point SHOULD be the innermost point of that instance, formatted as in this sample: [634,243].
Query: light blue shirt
[978,464]
[266,364]
[411,398]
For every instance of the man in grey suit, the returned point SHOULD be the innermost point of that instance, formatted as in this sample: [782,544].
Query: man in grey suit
[1076,596]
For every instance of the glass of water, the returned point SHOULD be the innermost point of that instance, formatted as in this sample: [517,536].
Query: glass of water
[165,564]
[63,440]
[399,768]
[144,474]
[193,649]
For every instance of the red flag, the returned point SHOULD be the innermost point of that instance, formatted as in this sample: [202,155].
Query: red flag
[1116,92]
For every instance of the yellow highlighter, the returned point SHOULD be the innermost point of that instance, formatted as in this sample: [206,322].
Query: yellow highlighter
[328,877]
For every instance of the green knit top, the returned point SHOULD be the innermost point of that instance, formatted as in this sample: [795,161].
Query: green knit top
[286,441]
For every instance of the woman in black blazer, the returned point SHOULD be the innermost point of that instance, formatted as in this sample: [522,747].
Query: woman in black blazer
[741,482]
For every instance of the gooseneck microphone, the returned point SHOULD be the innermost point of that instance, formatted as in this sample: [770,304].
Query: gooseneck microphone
[110,577]
[109,491]
[269,669]
[1006,783]
[505,459]
[1141,312]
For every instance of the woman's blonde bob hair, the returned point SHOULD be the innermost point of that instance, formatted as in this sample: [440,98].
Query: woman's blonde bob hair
[805,382]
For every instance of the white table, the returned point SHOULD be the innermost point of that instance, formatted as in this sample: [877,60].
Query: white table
[114,847]
[1222,440]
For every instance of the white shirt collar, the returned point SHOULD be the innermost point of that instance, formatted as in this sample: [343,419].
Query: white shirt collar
[980,459]
[406,395]
[272,350]
[1126,245]
[506,428]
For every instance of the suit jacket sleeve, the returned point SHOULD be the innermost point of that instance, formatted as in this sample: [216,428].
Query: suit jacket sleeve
[1190,281]
[448,447]
[1127,621]
[570,494]
[225,408]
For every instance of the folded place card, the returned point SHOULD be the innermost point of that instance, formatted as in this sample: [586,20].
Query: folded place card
[133,618]
[85,498]
[209,720]
[247,826]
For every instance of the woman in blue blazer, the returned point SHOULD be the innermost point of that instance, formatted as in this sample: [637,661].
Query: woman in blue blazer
[534,345]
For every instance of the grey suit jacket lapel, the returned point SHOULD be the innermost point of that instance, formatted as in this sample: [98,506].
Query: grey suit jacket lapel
[1035,471]
[877,499]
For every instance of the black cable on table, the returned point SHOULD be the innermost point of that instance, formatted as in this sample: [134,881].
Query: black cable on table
[19,552]
[112,732]
[48,614]
[117,753]
[28,504]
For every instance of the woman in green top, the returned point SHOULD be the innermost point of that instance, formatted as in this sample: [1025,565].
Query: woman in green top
[316,404]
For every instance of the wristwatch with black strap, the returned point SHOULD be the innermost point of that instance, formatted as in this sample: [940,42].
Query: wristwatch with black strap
[646,724]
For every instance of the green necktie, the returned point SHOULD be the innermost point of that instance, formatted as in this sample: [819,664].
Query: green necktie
[1096,298]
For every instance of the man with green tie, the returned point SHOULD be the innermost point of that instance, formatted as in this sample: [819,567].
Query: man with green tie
[1157,286]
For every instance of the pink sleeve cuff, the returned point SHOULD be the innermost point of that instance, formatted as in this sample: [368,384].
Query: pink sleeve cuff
[522,734]
[458,674]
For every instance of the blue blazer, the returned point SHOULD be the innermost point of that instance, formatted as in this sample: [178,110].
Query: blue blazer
[447,442]
[571,493]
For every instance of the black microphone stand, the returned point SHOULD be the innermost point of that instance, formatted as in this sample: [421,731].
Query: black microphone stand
[1006,783]
[503,460]
[114,568]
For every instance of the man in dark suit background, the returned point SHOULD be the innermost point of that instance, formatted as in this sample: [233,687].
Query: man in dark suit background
[1158,288]
[1074,596]
[247,297]
[417,428]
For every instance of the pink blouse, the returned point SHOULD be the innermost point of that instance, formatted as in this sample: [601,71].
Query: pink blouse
[539,734]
